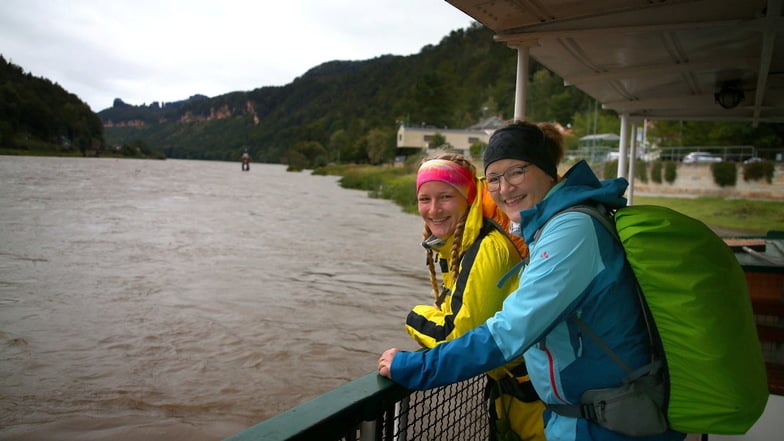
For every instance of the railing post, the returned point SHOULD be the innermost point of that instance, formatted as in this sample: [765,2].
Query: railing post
[367,431]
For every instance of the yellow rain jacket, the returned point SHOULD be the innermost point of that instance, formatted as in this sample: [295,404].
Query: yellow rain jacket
[474,297]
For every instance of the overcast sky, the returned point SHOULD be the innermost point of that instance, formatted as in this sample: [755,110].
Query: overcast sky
[167,50]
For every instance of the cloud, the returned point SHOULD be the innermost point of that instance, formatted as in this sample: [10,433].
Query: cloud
[167,50]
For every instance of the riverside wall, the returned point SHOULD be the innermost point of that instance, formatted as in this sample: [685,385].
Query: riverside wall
[697,180]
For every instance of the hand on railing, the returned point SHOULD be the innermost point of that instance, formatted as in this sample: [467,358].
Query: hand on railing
[385,362]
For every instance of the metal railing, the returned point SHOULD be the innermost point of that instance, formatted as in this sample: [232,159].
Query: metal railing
[374,408]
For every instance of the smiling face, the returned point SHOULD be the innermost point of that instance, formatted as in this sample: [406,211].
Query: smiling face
[514,198]
[441,207]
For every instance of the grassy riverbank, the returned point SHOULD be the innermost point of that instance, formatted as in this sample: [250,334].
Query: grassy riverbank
[729,217]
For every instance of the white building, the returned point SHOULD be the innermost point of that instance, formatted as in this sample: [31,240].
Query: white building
[460,140]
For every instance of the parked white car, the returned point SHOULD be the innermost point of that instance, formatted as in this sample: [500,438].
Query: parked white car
[695,157]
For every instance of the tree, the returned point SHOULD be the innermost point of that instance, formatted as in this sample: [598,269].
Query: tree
[340,146]
[432,99]
[438,141]
[380,145]
[595,120]
[477,149]
[306,154]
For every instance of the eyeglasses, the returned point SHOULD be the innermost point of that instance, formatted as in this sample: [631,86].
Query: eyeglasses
[514,176]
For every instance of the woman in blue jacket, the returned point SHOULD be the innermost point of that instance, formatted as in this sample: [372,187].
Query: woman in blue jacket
[576,269]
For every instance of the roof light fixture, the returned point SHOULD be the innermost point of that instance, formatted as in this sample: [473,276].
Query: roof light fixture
[730,95]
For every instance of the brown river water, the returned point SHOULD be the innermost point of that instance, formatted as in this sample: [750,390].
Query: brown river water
[165,300]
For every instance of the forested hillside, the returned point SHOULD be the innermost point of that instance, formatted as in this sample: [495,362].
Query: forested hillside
[347,110]
[37,115]
[340,111]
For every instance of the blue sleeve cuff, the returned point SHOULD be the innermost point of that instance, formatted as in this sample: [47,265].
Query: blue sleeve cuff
[472,354]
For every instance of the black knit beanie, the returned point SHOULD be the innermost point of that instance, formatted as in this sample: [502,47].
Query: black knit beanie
[520,141]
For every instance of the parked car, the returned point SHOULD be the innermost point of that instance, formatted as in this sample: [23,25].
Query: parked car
[753,160]
[695,157]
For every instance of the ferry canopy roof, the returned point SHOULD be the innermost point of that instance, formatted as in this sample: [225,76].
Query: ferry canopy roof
[664,59]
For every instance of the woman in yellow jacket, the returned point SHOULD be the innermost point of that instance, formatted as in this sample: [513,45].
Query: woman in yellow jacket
[465,237]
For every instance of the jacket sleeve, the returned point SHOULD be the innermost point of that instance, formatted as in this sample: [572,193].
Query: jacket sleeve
[470,355]
[471,303]
[563,264]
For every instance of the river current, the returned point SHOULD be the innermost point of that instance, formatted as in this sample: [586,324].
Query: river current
[176,299]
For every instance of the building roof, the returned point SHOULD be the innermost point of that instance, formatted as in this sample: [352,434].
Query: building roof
[490,123]
[430,129]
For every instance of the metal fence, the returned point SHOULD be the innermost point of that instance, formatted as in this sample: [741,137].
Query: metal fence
[454,412]
[374,408]
[727,153]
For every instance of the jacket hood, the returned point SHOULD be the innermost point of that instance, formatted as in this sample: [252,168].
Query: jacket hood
[578,186]
[474,221]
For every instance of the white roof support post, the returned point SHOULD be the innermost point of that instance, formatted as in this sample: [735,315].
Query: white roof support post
[632,164]
[521,87]
[623,146]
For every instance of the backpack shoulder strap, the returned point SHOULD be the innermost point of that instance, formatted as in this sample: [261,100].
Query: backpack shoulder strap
[606,218]
[598,212]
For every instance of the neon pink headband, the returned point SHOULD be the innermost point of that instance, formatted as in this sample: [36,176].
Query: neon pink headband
[450,172]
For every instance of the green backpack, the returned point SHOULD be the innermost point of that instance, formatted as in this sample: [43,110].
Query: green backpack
[696,301]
